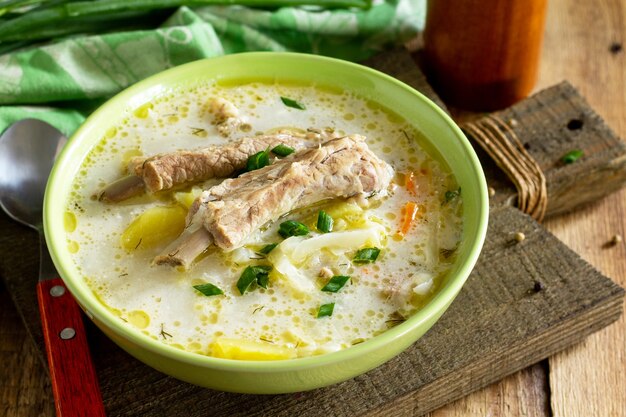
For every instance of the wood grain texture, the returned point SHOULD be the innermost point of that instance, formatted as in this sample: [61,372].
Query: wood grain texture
[550,124]
[525,393]
[25,389]
[589,379]
[74,381]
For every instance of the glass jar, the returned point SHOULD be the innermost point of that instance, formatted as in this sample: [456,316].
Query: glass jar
[483,54]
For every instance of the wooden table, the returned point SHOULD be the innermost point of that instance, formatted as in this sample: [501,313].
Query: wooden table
[583,44]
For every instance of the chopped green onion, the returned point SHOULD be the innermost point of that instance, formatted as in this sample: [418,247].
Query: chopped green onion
[336,283]
[324,222]
[283,150]
[245,280]
[366,255]
[572,156]
[292,103]
[268,248]
[292,228]
[326,310]
[262,280]
[258,274]
[451,195]
[208,289]
[258,160]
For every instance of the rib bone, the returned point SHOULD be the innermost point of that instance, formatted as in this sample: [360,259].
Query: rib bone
[184,253]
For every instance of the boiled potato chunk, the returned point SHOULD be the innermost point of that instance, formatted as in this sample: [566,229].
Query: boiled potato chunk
[347,215]
[154,227]
[241,349]
[186,198]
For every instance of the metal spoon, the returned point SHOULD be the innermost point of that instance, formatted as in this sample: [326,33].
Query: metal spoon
[27,152]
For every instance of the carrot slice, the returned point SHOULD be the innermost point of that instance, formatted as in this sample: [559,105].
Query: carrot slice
[410,183]
[410,211]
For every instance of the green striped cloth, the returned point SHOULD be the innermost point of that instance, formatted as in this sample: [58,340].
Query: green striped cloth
[63,81]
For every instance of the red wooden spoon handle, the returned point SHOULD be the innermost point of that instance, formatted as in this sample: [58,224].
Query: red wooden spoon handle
[74,381]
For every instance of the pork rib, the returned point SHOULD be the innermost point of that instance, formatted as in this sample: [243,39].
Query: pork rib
[237,207]
[164,171]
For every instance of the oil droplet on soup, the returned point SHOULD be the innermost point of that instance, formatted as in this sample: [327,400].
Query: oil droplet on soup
[69,221]
[72,246]
[139,319]
[142,112]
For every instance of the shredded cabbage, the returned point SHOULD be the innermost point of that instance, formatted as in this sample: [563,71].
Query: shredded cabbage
[291,254]
[288,270]
[424,282]
[337,242]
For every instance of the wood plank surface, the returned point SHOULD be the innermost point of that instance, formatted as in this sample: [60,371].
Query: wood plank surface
[577,48]
[25,388]
[590,378]
[585,43]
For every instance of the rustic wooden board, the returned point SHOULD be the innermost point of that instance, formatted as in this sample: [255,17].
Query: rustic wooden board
[495,327]
[552,123]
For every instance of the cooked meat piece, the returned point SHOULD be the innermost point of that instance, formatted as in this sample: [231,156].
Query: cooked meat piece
[164,171]
[326,272]
[237,207]
[341,168]
[326,133]
[226,115]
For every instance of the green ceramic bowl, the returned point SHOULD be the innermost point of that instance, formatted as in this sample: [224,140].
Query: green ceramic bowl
[287,375]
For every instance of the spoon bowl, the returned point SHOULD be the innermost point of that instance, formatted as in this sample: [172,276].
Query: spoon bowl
[27,152]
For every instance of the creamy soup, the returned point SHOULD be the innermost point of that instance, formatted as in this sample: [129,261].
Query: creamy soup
[382,259]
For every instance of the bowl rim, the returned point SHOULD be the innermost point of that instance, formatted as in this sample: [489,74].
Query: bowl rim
[76,285]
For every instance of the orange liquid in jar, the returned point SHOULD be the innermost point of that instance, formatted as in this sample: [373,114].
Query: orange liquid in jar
[483,54]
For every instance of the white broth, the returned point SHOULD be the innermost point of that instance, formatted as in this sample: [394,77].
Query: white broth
[281,321]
